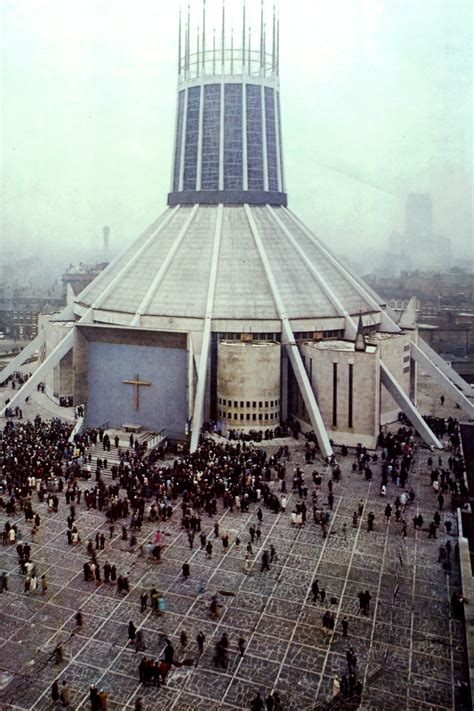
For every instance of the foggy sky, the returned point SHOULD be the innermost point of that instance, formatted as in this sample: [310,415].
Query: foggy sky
[376,103]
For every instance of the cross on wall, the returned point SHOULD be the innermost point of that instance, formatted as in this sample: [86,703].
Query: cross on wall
[136,383]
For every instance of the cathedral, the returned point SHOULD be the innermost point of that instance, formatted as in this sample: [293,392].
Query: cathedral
[228,307]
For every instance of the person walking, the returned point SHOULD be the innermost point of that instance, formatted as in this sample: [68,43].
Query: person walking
[257,703]
[265,561]
[132,631]
[200,639]
[64,694]
[367,599]
[370,521]
[54,693]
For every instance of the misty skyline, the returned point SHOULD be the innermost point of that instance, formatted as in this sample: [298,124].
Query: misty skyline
[376,103]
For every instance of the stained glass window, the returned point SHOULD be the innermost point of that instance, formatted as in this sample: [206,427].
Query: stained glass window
[233,137]
[210,139]
[254,137]
[280,141]
[179,141]
[271,139]
[192,137]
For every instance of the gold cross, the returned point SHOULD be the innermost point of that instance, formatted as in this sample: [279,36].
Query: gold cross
[136,383]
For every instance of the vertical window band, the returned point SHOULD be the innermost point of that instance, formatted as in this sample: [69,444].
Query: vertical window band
[192,138]
[233,144]
[179,141]
[210,137]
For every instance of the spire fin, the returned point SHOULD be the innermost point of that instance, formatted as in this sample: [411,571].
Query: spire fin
[360,342]
[179,40]
[203,35]
[243,32]
[223,34]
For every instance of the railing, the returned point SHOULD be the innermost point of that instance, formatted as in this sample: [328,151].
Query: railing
[78,427]
[156,440]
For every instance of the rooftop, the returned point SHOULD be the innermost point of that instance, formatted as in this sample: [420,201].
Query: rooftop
[166,272]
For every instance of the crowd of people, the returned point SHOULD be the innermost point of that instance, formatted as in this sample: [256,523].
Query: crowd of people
[39,463]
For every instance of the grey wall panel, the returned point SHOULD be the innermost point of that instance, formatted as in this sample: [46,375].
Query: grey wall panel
[163,404]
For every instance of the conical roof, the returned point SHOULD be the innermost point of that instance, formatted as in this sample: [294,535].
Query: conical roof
[167,271]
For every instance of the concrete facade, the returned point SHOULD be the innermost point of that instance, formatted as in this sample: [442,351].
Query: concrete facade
[330,361]
[60,381]
[395,353]
[248,385]
[105,358]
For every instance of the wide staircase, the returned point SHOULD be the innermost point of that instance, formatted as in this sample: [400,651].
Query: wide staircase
[152,440]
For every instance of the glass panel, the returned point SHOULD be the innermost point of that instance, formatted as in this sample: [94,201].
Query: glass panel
[210,137]
[279,139]
[233,137]
[192,136]
[254,137]
[179,141]
[271,139]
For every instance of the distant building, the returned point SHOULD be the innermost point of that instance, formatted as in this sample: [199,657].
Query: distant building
[19,309]
[442,291]
[79,276]
[418,247]
[444,310]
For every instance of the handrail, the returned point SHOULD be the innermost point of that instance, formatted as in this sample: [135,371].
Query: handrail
[156,439]
[77,429]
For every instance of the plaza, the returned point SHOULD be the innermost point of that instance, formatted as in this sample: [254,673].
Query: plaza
[410,650]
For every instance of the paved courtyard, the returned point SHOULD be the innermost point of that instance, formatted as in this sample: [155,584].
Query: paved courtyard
[410,651]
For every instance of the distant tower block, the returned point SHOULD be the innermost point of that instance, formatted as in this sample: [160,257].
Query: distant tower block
[106,233]
[419,216]
[248,385]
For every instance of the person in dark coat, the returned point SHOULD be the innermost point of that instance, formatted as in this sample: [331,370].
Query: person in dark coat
[54,693]
[168,653]
[132,631]
[257,703]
